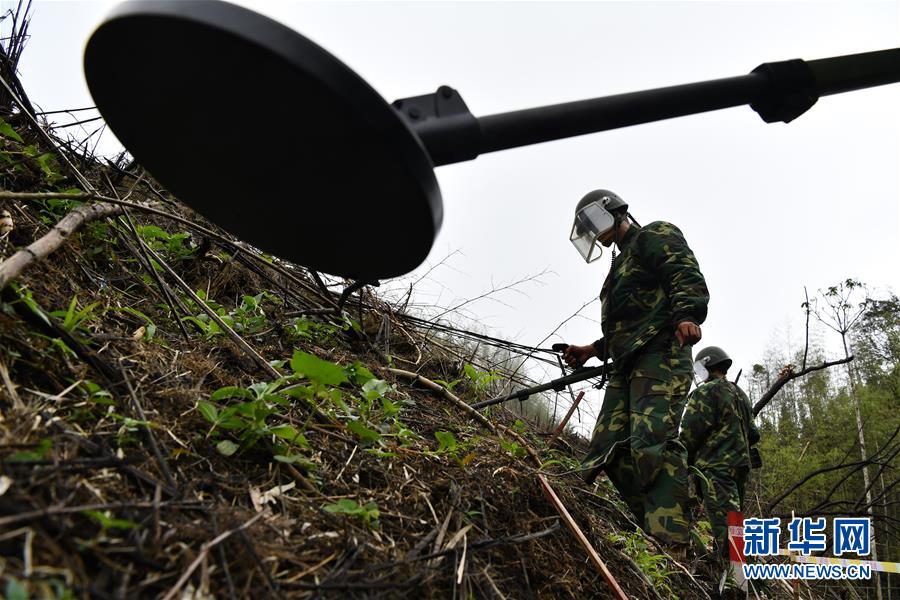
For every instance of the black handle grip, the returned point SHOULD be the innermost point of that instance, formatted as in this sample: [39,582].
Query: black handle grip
[559,347]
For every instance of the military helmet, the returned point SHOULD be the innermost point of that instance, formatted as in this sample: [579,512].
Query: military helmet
[608,199]
[714,357]
[598,212]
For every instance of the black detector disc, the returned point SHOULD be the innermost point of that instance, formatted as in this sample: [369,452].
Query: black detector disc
[266,134]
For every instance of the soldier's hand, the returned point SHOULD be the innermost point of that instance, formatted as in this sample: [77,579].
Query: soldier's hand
[688,333]
[575,356]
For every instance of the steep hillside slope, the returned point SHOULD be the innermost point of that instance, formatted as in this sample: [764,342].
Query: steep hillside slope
[182,416]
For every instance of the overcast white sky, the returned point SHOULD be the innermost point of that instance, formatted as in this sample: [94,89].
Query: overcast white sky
[766,208]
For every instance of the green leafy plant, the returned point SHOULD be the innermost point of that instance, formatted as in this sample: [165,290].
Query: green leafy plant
[320,372]
[6,130]
[304,328]
[108,522]
[253,419]
[448,385]
[41,451]
[513,449]
[247,318]
[259,410]
[27,298]
[98,241]
[15,590]
[652,564]
[564,459]
[446,443]
[48,163]
[458,450]
[76,320]
[53,209]
[20,152]
[368,513]
[95,403]
[480,380]
[173,247]
[95,394]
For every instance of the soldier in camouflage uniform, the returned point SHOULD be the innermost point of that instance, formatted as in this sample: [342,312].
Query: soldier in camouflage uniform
[718,432]
[653,302]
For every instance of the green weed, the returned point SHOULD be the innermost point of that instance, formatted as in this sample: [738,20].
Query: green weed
[77,320]
[448,385]
[368,513]
[54,209]
[173,247]
[95,394]
[480,380]
[653,565]
[247,319]
[7,131]
[107,522]
[41,451]
[513,449]
[304,328]
[16,590]
[98,241]
[351,394]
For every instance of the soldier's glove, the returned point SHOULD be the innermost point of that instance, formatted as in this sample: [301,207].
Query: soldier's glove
[755,458]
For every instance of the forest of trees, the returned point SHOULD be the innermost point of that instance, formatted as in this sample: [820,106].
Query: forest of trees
[814,464]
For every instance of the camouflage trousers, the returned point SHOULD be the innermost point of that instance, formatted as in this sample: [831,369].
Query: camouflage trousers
[636,441]
[725,493]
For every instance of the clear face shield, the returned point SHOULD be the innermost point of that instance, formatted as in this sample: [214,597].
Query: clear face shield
[591,222]
[700,370]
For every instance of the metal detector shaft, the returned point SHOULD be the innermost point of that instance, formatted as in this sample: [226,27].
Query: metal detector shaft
[777,91]
[555,385]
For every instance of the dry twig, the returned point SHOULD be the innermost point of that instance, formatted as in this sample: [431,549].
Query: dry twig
[204,551]
[13,266]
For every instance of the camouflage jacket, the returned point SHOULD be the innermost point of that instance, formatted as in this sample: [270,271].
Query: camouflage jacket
[654,284]
[717,427]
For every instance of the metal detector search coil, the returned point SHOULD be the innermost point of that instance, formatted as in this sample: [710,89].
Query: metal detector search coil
[173,79]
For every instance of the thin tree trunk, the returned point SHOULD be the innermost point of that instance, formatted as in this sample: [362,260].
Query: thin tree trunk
[884,507]
[862,454]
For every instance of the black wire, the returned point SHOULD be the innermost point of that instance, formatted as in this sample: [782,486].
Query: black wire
[513,346]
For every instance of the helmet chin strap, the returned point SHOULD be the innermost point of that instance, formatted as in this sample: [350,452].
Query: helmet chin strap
[633,221]
[617,225]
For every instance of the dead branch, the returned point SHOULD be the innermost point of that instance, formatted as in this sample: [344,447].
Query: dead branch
[31,515]
[788,375]
[232,335]
[204,551]
[10,388]
[168,295]
[148,432]
[547,337]
[808,310]
[151,209]
[141,254]
[545,484]
[13,266]
[573,526]
[886,449]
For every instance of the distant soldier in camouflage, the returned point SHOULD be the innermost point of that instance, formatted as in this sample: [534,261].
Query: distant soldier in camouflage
[718,432]
[653,302]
